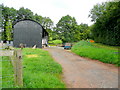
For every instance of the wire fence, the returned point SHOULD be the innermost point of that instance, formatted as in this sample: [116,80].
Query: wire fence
[7,73]
[11,68]
[0,73]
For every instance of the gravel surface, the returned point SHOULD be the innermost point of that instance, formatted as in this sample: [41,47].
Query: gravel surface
[79,72]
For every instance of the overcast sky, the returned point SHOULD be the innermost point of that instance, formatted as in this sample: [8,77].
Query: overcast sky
[55,9]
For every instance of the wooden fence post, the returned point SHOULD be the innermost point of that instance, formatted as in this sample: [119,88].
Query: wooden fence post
[18,68]
[16,60]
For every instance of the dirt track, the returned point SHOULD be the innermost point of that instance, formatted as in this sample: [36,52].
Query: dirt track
[81,72]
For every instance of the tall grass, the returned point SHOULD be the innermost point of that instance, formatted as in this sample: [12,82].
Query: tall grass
[0,72]
[7,73]
[106,46]
[93,51]
[40,70]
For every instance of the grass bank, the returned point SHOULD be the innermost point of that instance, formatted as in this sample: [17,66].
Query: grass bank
[39,70]
[96,51]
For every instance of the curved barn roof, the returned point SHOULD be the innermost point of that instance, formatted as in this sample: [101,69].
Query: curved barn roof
[15,22]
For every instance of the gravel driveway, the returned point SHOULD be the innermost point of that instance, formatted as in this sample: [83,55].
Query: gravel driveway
[79,72]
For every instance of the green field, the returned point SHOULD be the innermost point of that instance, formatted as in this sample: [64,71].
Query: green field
[39,70]
[106,54]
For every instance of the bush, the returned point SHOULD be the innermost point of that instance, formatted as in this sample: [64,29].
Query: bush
[56,42]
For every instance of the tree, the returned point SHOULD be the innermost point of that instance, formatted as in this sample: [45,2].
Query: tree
[47,23]
[97,11]
[23,13]
[8,16]
[107,25]
[68,30]
[38,18]
[82,32]
[65,28]
[8,29]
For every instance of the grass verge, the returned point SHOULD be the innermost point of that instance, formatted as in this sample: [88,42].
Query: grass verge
[98,52]
[40,70]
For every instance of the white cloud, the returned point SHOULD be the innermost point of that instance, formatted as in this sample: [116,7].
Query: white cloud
[55,9]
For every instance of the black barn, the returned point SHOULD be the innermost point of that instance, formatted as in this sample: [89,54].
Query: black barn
[28,32]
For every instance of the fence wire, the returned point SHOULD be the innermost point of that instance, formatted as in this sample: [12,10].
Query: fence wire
[7,76]
[9,62]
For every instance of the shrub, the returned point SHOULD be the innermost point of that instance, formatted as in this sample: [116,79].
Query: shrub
[56,42]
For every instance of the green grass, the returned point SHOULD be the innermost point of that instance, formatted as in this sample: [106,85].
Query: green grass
[106,46]
[7,73]
[40,70]
[0,73]
[96,51]
[51,44]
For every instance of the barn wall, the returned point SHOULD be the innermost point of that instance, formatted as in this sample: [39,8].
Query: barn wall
[27,32]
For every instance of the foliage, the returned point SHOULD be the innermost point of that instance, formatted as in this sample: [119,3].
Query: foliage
[46,22]
[23,13]
[97,11]
[107,23]
[0,16]
[68,30]
[84,31]
[87,49]
[8,29]
[55,42]
[65,28]
[52,35]
[8,16]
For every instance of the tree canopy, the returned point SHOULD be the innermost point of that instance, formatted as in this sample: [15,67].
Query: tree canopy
[107,23]
[11,15]
[69,31]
